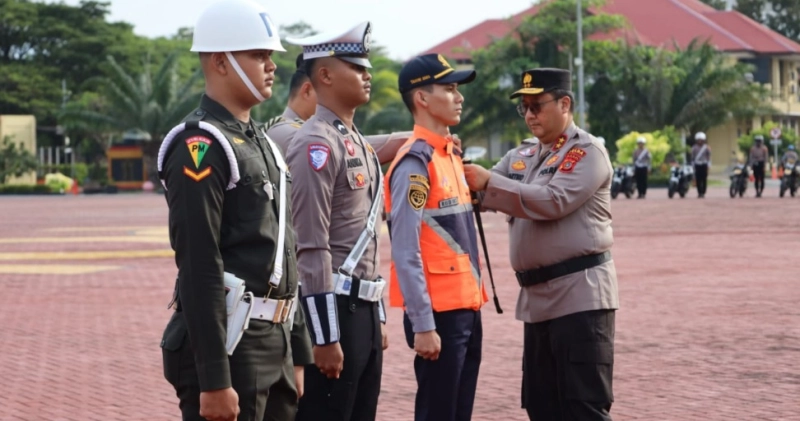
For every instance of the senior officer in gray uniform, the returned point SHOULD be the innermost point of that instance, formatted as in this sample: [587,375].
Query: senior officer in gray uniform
[560,237]
[335,217]
[230,217]
[301,106]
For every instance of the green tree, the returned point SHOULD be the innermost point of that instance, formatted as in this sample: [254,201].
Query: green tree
[788,137]
[14,160]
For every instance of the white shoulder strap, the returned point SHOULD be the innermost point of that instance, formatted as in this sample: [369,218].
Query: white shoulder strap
[226,146]
[368,234]
[277,270]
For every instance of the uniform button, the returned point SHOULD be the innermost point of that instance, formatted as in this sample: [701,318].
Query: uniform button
[352,307]
[452,268]
[247,179]
[263,173]
[198,113]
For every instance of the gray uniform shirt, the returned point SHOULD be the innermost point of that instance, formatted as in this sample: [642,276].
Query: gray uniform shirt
[335,180]
[641,158]
[758,154]
[406,252]
[284,131]
[701,154]
[558,202]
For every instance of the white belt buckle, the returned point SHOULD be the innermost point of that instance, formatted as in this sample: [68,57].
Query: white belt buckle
[343,284]
[371,290]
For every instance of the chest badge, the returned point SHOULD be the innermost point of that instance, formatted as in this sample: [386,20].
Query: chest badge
[360,180]
[552,160]
[518,166]
[350,148]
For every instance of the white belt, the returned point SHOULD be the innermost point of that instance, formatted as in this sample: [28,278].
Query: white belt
[368,290]
[275,311]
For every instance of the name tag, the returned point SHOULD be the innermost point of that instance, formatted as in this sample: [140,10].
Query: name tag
[550,170]
[516,176]
[448,202]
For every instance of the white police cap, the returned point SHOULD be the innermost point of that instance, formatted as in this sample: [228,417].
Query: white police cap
[351,46]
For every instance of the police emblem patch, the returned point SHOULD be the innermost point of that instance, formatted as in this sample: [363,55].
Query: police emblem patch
[340,127]
[552,160]
[417,196]
[198,145]
[350,148]
[360,180]
[568,165]
[318,156]
[518,166]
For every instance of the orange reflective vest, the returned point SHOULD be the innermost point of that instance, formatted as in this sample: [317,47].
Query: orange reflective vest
[448,241]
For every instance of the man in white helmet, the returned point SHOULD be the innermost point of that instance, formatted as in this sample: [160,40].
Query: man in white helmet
[701,157]
[641,163]
[229,195]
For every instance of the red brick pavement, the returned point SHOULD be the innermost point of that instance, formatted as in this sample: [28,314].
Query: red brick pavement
[709,327]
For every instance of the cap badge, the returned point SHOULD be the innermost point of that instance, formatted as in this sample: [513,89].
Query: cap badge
[367,38]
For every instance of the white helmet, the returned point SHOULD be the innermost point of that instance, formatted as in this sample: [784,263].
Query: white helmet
[641,140]
[601,139]
[235,25]
[700,136]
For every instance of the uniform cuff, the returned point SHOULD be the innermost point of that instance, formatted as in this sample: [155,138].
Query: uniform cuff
[214,375]
[322,318]
[422,323]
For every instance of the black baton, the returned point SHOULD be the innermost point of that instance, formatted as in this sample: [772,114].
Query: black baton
[477,209]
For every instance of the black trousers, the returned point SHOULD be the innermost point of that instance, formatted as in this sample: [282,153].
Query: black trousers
[354,395]
[567,367]
[262,374]
[446,387]
[701,176]
[758,174]
[641,180]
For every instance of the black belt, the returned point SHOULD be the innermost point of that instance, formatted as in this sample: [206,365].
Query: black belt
[547,273]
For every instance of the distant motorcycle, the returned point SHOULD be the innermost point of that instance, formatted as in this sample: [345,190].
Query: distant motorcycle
[789,181]
[680,178]
[622,182]
[739,179]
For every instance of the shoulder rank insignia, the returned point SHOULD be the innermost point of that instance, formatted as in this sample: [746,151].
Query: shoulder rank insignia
[340,127]
[552,160]
[518,166]
[196,176]
[318,155]
[417,196]
[559,143]
[198,145]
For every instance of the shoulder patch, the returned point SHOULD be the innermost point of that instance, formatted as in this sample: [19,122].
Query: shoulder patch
[417,196]
[419,178]
[552,160]
[519,165]
[196,176]
[576,153]
[198,145]
[318,155]
[572,158]
[340,127]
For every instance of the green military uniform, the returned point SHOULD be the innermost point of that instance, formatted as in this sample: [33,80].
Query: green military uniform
[219,226]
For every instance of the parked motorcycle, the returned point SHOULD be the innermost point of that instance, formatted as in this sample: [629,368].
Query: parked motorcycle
[790,178]
[623,182]
[739,180]
[680,179]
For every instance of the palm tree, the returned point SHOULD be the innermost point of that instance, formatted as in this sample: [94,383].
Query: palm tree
[150,103]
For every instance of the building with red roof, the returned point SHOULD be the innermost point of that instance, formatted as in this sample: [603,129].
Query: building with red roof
[663,23]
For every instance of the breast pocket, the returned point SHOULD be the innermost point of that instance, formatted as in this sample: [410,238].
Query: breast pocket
[357,201]
[251,191]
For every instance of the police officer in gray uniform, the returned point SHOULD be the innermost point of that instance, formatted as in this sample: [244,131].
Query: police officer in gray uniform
[557,196]
[336,221]
[230,216]
[301,106]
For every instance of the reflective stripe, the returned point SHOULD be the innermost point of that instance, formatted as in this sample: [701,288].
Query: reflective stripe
[316,324]
[381,311]
[277,271]
[333,323]
[452,210]
[441,232]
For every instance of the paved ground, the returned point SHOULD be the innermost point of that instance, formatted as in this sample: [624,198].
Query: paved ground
[709,327]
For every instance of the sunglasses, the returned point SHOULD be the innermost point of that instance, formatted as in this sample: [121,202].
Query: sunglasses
[535,108]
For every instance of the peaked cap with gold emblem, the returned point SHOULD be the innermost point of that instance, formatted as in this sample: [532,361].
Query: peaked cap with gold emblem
[431,69]
[537,81]
[352,45]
